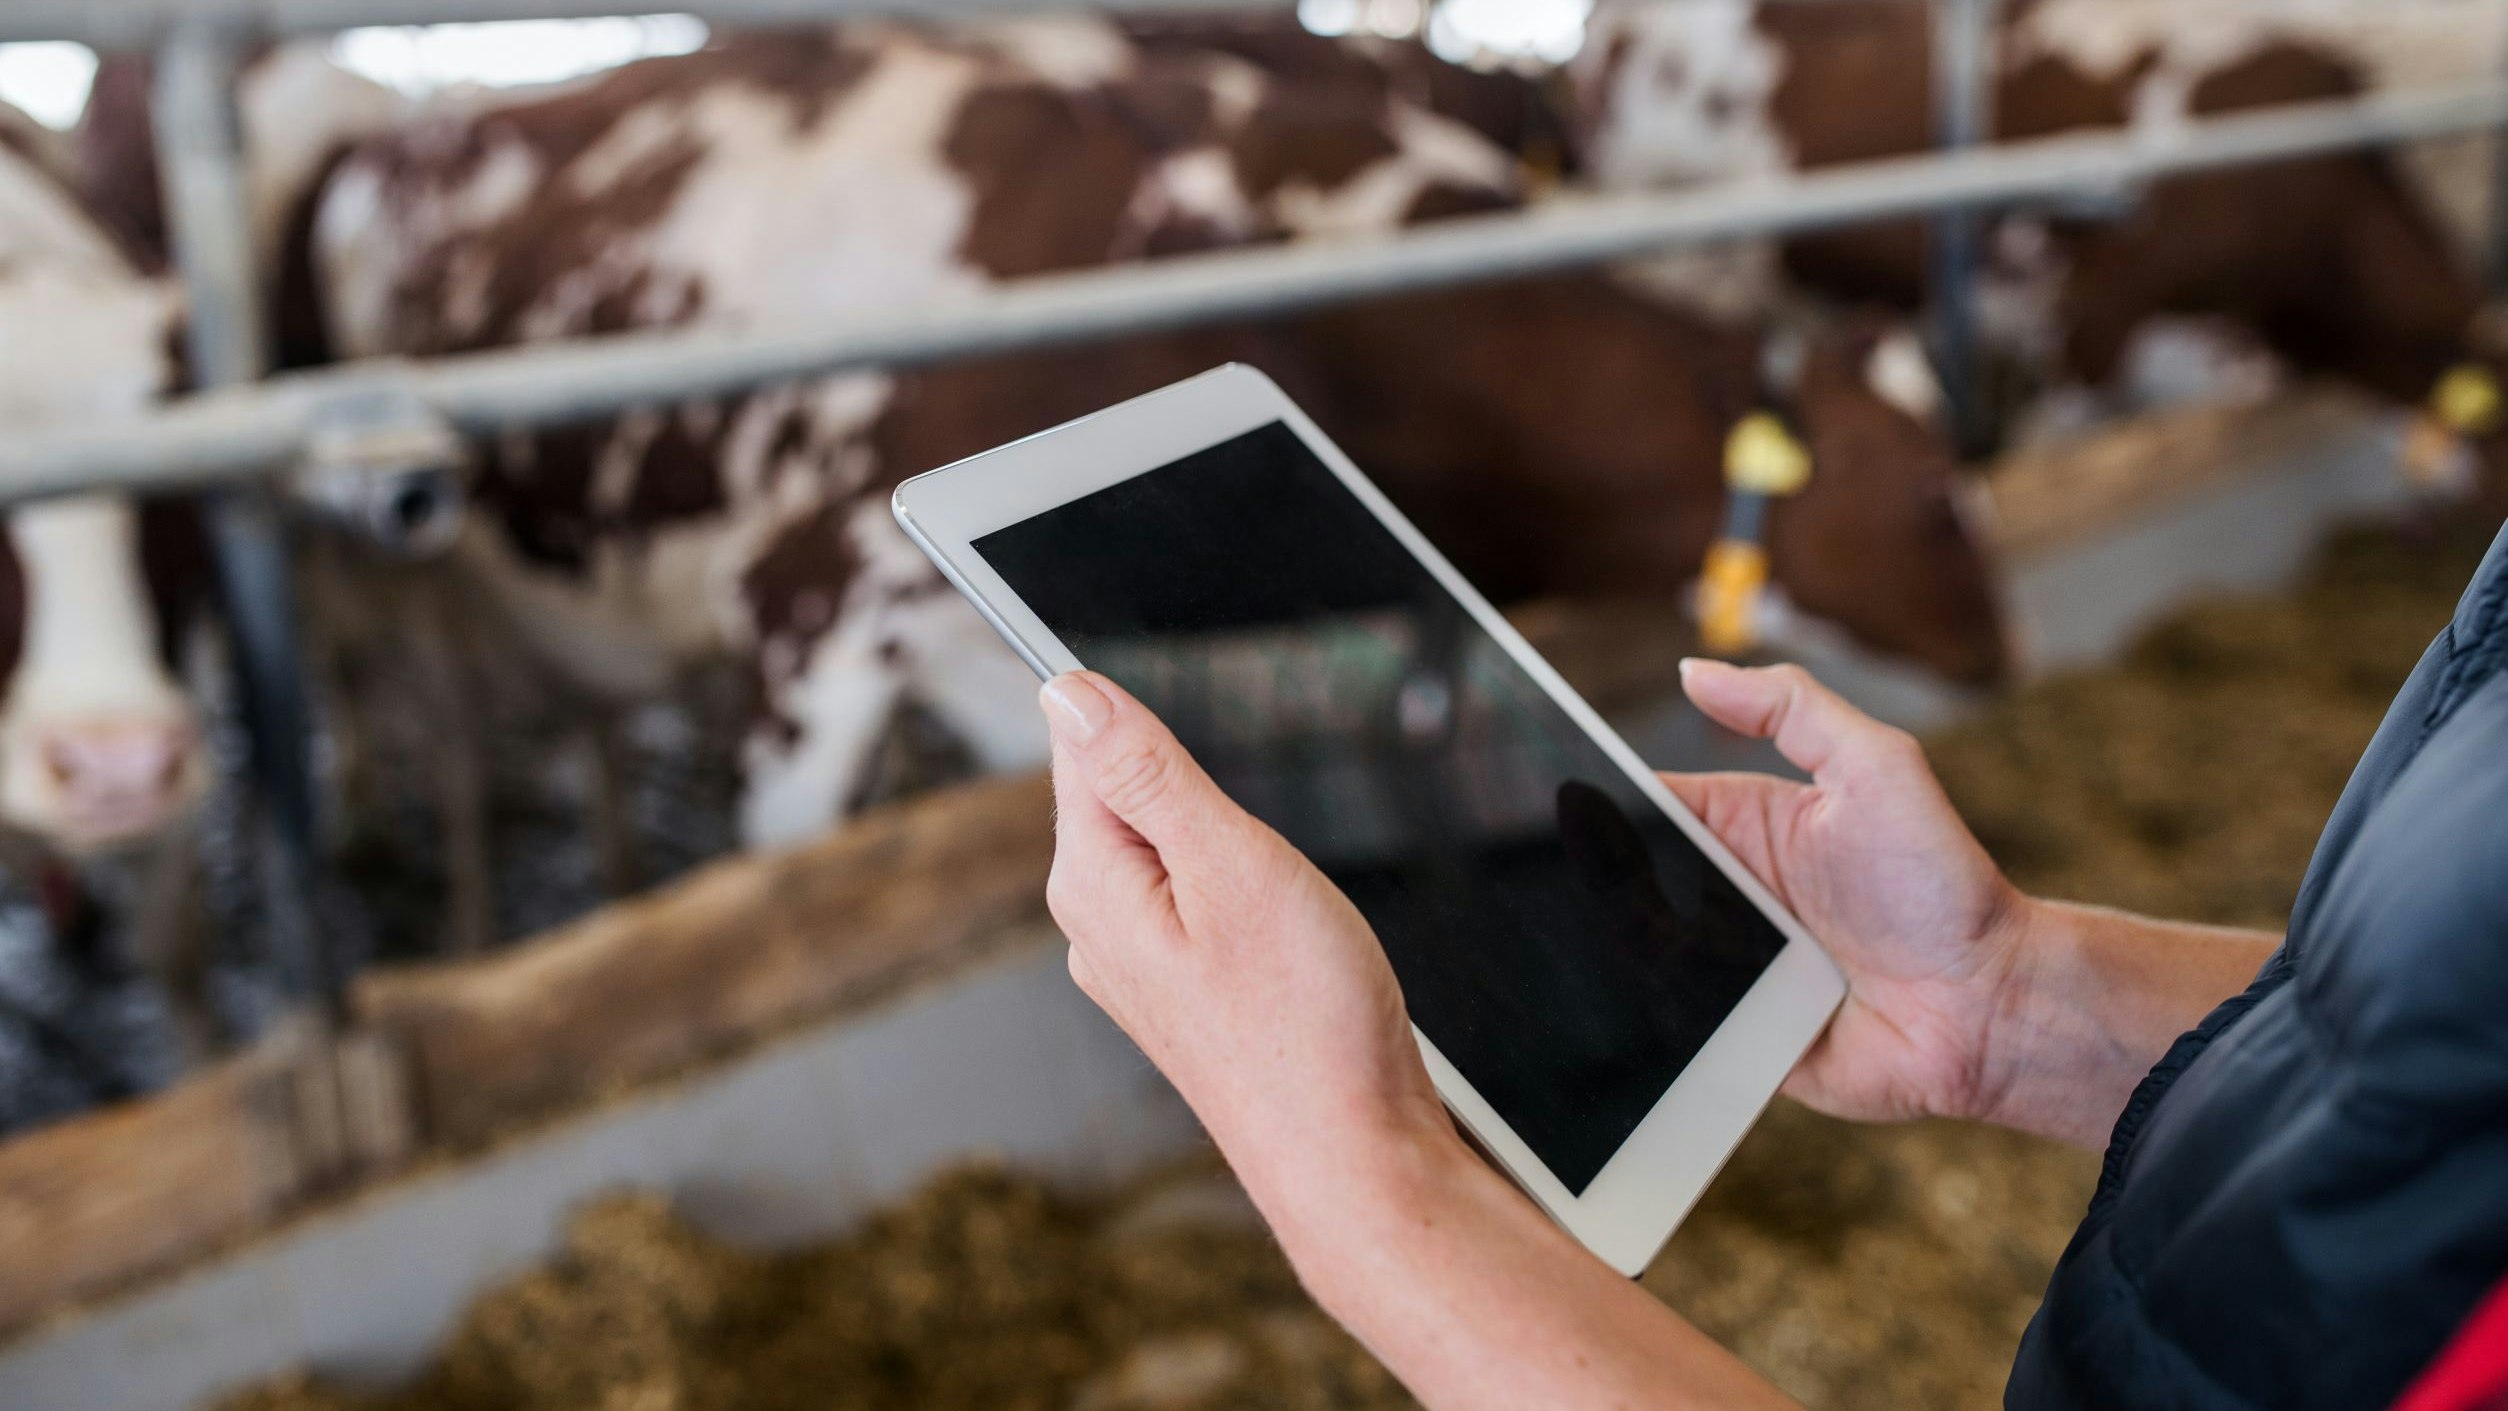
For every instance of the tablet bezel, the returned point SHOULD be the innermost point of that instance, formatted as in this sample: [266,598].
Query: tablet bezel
[1641,1195]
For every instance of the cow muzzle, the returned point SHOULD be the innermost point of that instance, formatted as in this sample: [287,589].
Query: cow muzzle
[94,784]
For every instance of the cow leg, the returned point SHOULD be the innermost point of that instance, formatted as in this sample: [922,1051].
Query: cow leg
[462,802]
[351,741]
[333,628]
[816,734]
[613,824]
[170,938]
[459,767]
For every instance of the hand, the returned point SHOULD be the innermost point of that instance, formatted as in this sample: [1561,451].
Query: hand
[1260,992]
[1240,970]
[1873,859]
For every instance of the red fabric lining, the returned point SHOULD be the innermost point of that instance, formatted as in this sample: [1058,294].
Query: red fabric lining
[2471,1373]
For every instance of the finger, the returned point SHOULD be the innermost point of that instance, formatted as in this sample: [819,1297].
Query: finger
[1137,772]
[1079,816]
[1101,866]
[1811,725]
[1726,794]
[1742,810]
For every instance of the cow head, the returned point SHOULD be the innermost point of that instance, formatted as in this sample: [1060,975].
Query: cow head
[1666,94]
[1878,540]
[99,745]
[1567,436]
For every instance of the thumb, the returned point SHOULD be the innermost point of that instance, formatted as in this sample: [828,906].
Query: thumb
[1811,725]
[1135,767]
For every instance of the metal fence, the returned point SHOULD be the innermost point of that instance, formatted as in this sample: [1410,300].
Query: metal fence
[134,24]
[238,429]
[231,434]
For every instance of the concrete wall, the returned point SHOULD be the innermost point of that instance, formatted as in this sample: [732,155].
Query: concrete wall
[800,1140]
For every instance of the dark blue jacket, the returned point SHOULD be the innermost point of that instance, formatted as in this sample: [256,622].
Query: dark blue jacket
[2310,1191]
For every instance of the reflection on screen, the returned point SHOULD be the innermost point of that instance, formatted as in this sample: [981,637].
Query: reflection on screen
[1557,938]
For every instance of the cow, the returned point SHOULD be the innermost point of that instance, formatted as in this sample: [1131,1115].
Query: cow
[1361,71]
[297,113]
[102,749]
[2331,265]
[1555,435]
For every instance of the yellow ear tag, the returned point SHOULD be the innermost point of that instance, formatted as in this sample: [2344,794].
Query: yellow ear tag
[1763,458]
[2467,400]
[1728,596]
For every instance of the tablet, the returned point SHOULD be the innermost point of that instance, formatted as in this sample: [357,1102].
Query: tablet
[1605,998]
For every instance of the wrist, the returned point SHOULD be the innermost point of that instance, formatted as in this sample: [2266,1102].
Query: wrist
[1332,1204]
[2015,946]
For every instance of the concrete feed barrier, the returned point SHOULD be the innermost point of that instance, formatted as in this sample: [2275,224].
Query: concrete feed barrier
[1007,1060]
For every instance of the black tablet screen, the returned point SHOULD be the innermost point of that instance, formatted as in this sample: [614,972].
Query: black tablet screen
[1558,939]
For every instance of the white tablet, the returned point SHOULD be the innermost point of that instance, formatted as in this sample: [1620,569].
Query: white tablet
[1605,998]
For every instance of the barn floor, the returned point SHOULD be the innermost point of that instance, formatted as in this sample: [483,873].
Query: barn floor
[1857,1266]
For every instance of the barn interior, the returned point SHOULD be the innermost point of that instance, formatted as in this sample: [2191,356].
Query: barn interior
[516,892]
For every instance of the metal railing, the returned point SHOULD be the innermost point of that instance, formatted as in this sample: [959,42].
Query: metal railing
[139,24]
[230,434]
[1963,49]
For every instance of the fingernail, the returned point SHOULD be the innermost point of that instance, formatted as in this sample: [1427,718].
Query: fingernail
[1075,709]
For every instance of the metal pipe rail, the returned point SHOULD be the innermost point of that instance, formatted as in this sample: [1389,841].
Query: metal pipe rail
[1963,48]
[136,24]
[237,433]
[199,137]
[132,24]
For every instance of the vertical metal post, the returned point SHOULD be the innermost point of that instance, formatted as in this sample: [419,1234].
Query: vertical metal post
[1963,95]
[199,147]
[2495,258]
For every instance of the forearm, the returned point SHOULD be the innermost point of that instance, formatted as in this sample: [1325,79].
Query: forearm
[2095,997]
[1475,1299]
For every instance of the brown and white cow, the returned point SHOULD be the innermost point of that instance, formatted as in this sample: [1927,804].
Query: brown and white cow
[1557,435]
[1349,75]
[297,114]
[101,746]
[2334,265]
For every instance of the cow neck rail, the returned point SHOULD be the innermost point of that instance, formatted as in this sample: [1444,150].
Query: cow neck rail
[243,432]
[114,24]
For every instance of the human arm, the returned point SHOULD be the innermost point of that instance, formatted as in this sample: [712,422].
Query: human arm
[1262,995]
[1965,997]
[1255,986]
